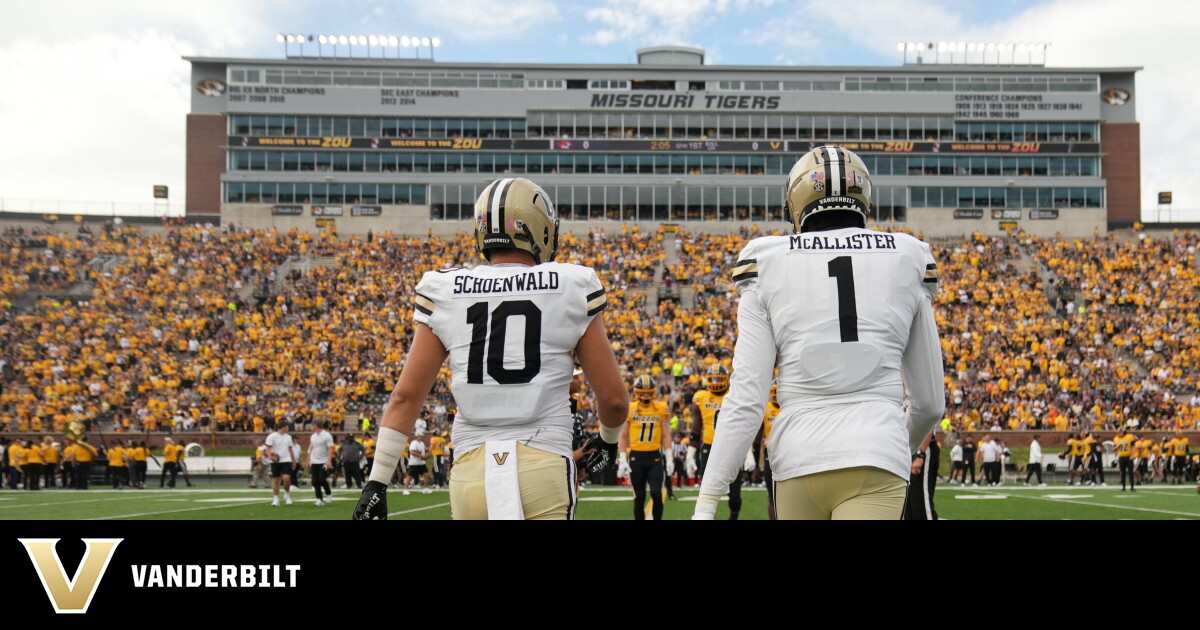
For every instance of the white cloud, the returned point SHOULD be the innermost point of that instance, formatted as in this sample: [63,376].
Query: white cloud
[96,94]
[660,21]
[1158,35]
[486,20]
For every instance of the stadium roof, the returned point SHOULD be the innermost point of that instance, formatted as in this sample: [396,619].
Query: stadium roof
[425,63]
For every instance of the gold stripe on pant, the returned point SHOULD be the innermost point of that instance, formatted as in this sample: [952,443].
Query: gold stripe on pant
[863,493]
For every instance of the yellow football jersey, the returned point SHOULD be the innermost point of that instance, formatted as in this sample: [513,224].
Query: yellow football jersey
[1143,448]
[768,419]
[709,405]
[1089,445]
[1078,448]
[1179,446]
[1124,445]
[646,425]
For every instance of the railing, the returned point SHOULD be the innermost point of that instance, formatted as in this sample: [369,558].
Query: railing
[66,209]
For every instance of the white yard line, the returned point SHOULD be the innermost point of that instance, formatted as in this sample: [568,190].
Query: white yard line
[1106,505]
[207,507]
[420,509]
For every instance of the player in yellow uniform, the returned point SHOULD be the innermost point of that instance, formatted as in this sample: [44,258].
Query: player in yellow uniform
[1093,454]
[1076,450]
[1124,444]
[369,445]
[768,419]
[1179,455]
[118,468]
[708,409]
[647,437]
[1141,454]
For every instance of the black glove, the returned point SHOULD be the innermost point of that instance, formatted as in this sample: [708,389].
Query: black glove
[372,505]
[602,455]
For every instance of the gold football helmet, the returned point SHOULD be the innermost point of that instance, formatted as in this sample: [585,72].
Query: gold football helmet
[717,380]
[515,213]
[775,394]
[828,179]
[643,388]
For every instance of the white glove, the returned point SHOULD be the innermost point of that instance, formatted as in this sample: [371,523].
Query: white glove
[690,462]
[750,462]
[706,507]
[623,469]
[670,464]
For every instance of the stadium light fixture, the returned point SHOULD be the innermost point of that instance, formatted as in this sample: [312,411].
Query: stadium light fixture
[425,42]
[404,41]
[437,42]
[280,38]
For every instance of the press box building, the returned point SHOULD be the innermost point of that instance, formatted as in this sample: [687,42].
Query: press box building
[406,144]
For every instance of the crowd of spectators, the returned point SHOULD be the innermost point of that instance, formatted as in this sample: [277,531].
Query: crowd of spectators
[202,328]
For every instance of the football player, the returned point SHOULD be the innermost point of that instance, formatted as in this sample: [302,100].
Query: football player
[1179,455]
[647,437]
[509,328]
[849,313]
[708,409]
[1124,445]
[768,420]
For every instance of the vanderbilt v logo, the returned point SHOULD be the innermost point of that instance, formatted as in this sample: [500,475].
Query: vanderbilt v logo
[500,458]
[74,596]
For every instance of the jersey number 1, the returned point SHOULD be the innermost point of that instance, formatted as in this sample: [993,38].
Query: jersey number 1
[478,317]
[842,268]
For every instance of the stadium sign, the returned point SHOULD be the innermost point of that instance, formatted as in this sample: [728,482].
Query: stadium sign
[1043,214]
[327,211]
[968,213]
[366,211]
[1006,213]
[655,146]
[287,210]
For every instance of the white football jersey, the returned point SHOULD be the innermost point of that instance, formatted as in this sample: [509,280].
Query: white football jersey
[846,311]
[510,330]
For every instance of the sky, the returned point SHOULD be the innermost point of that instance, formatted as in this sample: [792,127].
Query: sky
[95,94]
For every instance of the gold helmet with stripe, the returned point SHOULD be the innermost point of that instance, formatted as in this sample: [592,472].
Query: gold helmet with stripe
[643,388]
[717,380]
[515,213]
[828,179]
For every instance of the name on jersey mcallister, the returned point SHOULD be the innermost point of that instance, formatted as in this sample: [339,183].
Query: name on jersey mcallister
[855,241]
[532,281]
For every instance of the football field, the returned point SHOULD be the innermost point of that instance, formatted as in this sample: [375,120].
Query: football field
[1154,502]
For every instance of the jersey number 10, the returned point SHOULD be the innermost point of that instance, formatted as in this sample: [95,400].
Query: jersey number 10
[493,348]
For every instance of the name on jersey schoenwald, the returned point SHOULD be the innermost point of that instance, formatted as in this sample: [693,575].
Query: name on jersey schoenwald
[855,241]
[532,281]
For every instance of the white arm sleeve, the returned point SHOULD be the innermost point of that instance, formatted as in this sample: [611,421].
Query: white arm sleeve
[923,375]
[749,388]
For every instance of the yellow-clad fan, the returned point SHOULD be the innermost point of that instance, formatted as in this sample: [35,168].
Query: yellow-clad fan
[137,453]
[118,466]
[708,408]
[647,437]
[1124,443]
[170,462]
[82,454]
[50,457]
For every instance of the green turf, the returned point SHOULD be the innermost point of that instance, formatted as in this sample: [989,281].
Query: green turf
[1018,502]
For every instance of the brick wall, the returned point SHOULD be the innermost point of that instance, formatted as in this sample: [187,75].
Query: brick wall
[1121,165]
[206,133]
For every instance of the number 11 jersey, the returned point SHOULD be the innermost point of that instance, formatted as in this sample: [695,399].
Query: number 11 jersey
[510,330]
